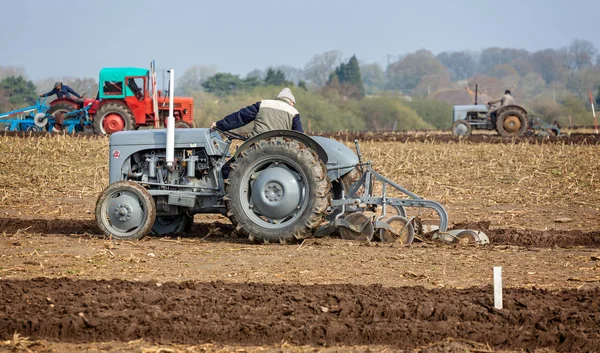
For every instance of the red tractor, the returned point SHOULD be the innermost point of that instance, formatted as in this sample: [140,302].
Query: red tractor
[125,102]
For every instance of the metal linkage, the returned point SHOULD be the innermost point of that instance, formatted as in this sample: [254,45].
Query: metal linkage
[366,181]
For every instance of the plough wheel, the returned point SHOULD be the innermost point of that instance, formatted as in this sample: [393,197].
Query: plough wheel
[358,220]
[406,232]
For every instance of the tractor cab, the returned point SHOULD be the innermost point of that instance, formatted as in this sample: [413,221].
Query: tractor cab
[124,83]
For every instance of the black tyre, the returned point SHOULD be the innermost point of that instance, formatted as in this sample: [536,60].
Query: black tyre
[277,190]
[172,225]
[511,123]
[113,117]
[61,108]
[125,211]
[33,128]
[461,128]
[183,125]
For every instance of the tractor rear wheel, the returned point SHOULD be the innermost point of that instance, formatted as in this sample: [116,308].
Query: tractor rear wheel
[113,117]
[277,190]
[125,211]
[183,125]
[61,108]
[461,128]
[511,123]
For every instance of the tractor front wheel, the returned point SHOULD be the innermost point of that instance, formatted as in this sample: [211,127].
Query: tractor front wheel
[125,211]
[511,123]
[461,128]
[112,118]
[277,190]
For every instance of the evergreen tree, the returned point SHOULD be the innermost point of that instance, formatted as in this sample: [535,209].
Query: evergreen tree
[20,92]
[276,78]
[223,84]
[349,79]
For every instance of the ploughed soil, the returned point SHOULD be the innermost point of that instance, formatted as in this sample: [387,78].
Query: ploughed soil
[266,314]
[435,136]
[65,288]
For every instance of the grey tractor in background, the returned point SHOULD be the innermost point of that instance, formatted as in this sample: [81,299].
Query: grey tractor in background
[508,121]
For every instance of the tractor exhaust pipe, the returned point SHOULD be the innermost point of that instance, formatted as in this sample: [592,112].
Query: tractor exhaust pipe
[475,94]
[171,125]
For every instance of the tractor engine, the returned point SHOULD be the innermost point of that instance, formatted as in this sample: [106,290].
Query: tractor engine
[190,169]
[192,173]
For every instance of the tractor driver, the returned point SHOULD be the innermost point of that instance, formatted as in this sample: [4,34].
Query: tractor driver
[61,91]
[506,99]
[267,115]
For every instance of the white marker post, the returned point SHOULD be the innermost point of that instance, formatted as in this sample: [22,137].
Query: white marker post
[498,287]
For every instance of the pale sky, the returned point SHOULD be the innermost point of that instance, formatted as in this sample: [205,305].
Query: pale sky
[78,38]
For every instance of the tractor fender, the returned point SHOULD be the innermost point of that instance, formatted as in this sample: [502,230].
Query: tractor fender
[514,107]
[64,100]
[305,139]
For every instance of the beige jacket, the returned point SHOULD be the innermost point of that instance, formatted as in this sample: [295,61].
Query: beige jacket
[506,99]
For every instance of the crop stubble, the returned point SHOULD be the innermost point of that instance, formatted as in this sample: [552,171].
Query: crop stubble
[533,199]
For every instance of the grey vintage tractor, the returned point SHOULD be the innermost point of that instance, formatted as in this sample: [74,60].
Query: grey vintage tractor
[508,121]
[279,186]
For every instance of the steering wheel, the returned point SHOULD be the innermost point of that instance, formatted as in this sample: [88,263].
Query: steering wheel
[232,135]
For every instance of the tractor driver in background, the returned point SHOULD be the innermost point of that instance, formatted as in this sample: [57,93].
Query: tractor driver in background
[506,99]
[61,91]
[267,115]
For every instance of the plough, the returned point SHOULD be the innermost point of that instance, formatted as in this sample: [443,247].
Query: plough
[24,119]
[37,118]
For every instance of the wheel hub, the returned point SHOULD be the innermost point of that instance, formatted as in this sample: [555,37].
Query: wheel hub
[512,123]
[461,129]
[123,213]
[112,123]
[276,193]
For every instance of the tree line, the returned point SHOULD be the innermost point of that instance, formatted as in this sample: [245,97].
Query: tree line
[405,94]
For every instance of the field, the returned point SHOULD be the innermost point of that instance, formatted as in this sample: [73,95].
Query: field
[63,288]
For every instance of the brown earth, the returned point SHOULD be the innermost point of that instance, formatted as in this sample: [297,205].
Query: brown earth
[266,314]
[434,136]
[210,291]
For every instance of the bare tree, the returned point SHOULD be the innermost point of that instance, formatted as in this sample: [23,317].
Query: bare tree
[320,66]
[7,71]
[580,54]
[460,65]
[193,78]
[256,73]
[550,64]
[292,74]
